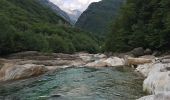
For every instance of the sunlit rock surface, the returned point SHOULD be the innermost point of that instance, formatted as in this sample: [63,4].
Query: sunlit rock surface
[136,61]
[109,62]
[161,96]
[157,79]
[15,72]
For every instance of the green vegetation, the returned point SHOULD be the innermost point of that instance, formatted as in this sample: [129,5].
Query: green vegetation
[29,25]
[98,17]
[141,23]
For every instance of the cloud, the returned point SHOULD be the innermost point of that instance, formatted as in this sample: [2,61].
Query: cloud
[68,5]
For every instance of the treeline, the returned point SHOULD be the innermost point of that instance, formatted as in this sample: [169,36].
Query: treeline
[141,23]
[28,25]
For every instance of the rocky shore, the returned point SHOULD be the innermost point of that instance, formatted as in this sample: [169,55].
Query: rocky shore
[157,79]
[30,64]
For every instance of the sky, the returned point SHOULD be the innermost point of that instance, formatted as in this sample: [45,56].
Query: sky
[68,5]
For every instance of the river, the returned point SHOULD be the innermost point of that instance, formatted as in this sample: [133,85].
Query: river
[112,83]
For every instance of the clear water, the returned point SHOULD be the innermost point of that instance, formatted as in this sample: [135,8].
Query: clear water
[119,83]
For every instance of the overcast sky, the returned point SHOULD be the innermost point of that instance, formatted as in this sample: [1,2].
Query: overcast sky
[73,4]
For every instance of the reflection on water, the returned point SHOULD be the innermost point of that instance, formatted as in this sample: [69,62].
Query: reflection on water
[119,83]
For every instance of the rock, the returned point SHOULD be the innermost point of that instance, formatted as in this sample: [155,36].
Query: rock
[144,69]
[54,68]
[97,63]
[148,52]
[115,61]
[150,97]
[15,72]
[148,57]
[160,96]
[99,56]
[157,82]
[138,52]
[44,97]
[86,57]
[158,78]
[136,61]
[110,62]
[55,95]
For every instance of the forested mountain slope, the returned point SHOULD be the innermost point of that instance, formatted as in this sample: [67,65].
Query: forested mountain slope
[56,9]
[98,17]
[29,25]
[141,23]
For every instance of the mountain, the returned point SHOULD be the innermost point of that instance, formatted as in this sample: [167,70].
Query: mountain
[97,18]
[141,23]
[56,9]
[30,25]
[74,15]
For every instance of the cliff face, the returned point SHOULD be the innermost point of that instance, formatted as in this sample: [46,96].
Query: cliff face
[98,16]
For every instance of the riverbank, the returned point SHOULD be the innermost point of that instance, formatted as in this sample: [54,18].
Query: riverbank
[157,80]
[31,64]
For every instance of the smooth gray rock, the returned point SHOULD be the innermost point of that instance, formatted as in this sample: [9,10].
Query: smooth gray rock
[148,51]
[138,52]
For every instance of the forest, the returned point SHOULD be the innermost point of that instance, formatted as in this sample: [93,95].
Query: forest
[141,23]
[27,25]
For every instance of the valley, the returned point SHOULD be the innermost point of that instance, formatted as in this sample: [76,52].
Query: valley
[115,49]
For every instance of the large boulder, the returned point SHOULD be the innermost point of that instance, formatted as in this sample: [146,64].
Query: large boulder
[15,72]
[157,82]
[158,78]
[136,61]
[115,61]
[138,52]
[148,52]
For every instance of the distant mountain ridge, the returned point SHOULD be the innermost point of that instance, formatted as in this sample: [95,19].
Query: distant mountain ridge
[97,18]
[56,9]
[74,15]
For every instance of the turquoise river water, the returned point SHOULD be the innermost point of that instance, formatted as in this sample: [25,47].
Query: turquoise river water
[118,83]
